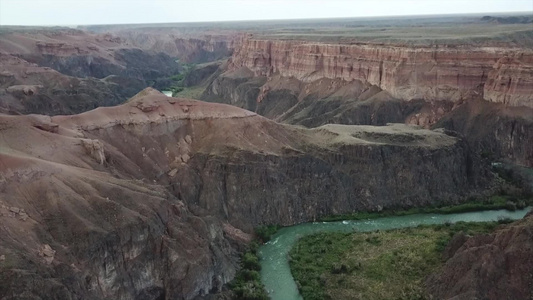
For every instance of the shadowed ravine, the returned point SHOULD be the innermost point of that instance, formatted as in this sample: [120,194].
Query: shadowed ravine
[275,271]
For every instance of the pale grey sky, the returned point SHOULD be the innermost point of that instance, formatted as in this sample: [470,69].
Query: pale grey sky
[72,12]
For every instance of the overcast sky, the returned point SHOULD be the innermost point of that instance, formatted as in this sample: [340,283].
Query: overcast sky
[72,12]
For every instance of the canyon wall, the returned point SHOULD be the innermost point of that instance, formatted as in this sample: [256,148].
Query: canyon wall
[152,199]
[435,73]
[28,88]
[64,71]
[83,54]
[463,88]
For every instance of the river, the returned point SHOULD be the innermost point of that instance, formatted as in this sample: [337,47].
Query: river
[275,271]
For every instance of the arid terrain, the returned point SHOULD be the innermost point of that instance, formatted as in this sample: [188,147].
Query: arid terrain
[111,190]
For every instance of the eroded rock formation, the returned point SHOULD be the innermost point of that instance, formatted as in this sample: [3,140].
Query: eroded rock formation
[64,71]
[28,88]
[491,266]
[406,72]
[152,199]
[189,43]
[312,84]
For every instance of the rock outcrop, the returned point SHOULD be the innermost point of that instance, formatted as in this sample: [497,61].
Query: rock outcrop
[463,88]
[28,88]
[152,199]
[492,266]
[510,81]
[406,72]
[494,130]
[82,54]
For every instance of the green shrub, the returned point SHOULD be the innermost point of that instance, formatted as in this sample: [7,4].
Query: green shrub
[247,283]
[374,240]
[265,233]
[504,220]
[250,262]
[250,290]
[177,77]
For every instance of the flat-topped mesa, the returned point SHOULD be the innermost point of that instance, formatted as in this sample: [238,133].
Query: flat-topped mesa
[406,72]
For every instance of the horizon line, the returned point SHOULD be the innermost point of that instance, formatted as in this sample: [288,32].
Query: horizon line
[270,20]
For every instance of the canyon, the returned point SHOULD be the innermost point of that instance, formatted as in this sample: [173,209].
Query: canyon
[111,190]
[153,198]
[461,88]
[68,71]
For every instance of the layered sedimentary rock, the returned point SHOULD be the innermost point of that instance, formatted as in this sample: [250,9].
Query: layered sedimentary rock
[312,84]
[320,102]
[511,80]
[153,198]
[491,266]
[406,72]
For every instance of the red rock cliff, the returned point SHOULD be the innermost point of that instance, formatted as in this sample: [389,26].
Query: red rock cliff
[430,73]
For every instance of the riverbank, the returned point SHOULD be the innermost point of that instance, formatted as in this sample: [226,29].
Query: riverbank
[508,202]
[275,271]
[247,283]
[373,265]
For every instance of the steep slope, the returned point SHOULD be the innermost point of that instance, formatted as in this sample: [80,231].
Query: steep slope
[312,83]
[151,199]
[82,54]
[492,266]
[65,71]
[28,88]
[429,73]
[495,130]
[190,42]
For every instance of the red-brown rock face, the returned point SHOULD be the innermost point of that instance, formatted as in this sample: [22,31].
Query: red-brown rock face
[430,73]
[511,81]
[155,196]
[495,266]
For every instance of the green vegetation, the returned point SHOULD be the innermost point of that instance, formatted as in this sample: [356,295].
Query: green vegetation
[374,265]
[247,283]
[175,90]
[265,233]
[509,202]
[177,79]
[193,92]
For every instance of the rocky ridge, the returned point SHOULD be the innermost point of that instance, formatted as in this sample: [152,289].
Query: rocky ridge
[28,88]
[65,71]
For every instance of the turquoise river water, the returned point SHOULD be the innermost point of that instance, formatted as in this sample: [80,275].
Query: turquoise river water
[276,274]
